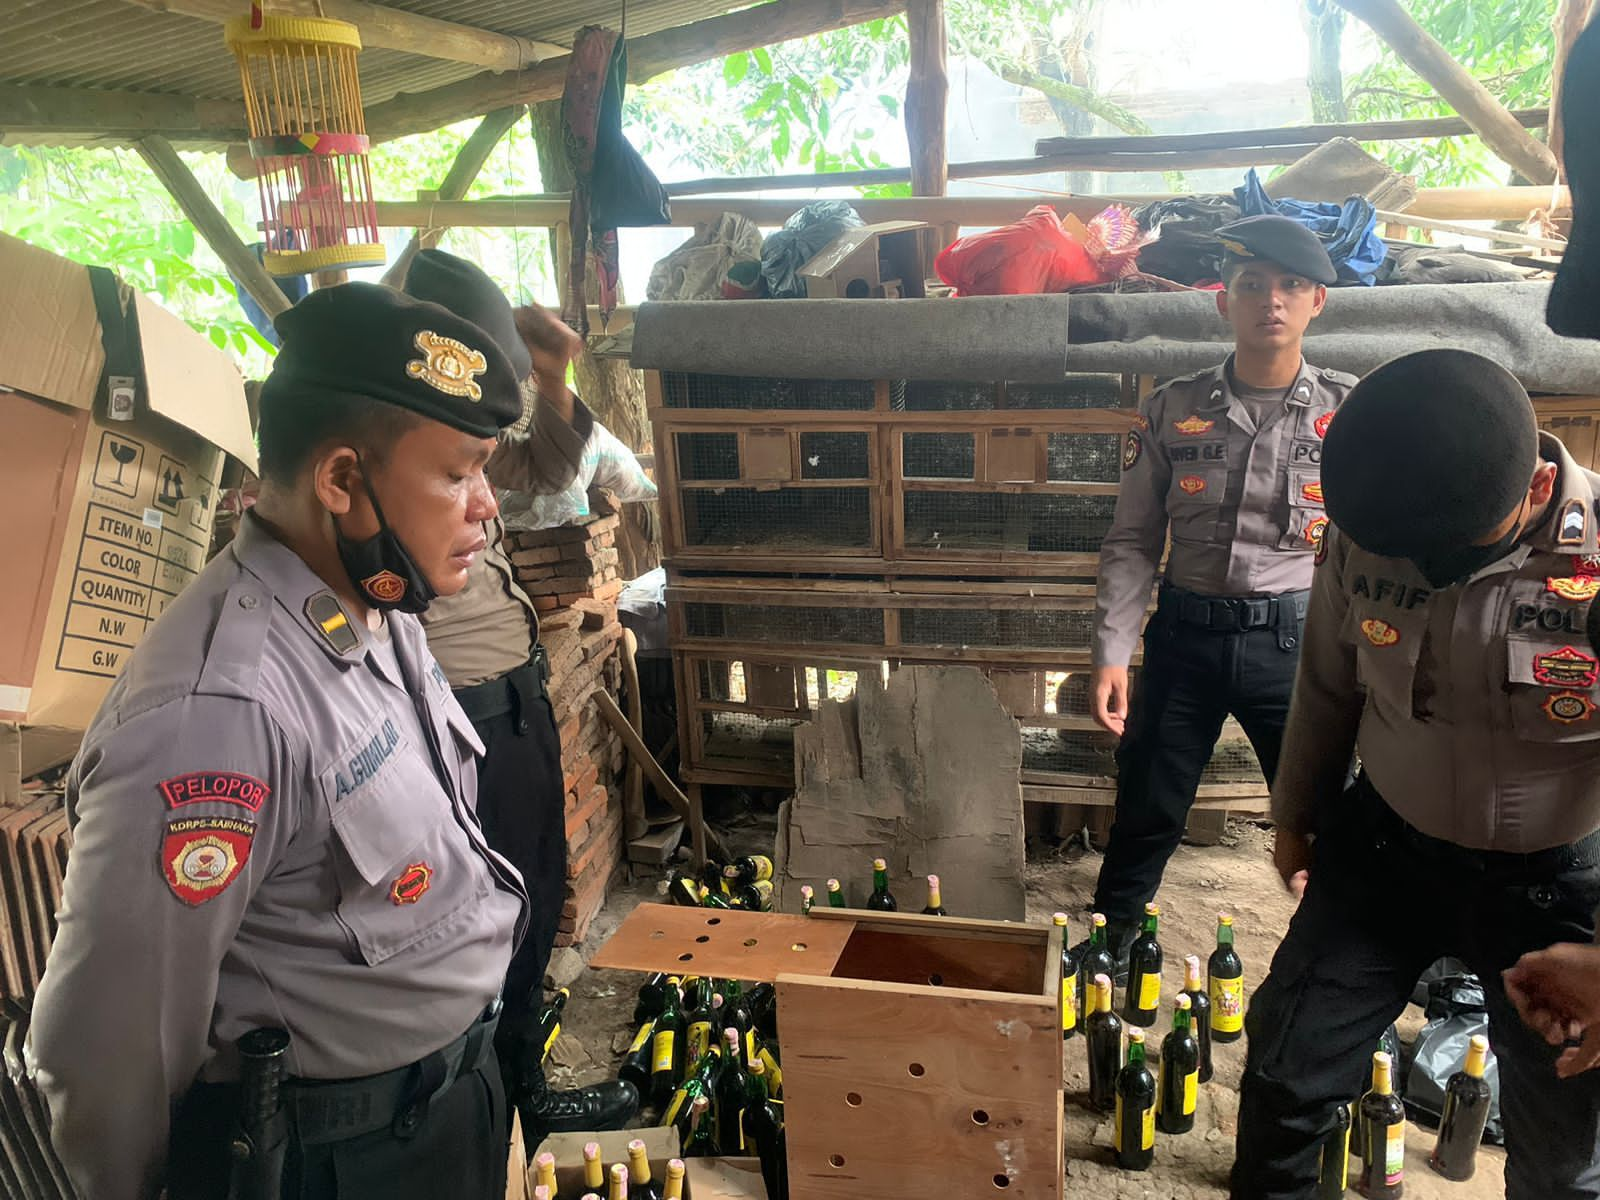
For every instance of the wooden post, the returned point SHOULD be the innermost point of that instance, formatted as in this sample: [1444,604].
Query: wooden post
[1487,116]
[1572,17]
[163,160]
[927,95]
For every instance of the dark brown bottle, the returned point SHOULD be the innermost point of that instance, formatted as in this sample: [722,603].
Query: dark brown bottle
[1194,987]
[1383,1136]
[1070,980]
[1144,973]
[1466,1111]
[1180,1074]
[1135,1130]
[1103,1028]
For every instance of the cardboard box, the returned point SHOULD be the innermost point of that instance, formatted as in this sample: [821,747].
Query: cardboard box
[108,518]
[704,1178]
[871,261]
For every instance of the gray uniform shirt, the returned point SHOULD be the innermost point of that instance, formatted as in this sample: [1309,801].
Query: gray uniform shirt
[269,828]
[1243,500]
[1474,708]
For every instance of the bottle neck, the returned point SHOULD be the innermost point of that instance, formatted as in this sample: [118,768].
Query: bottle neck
[1191,977]
[1225,934]
[880,880]
[1477,1060]
[638,1165]
[933,894]
[1380,1079]
[1097,935]
[1136,1052]
[1180,1020]
[1150,920]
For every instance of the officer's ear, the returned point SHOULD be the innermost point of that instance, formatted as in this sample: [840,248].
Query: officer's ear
[1318,299]
[336,479]
[1222,300]
[1543,485]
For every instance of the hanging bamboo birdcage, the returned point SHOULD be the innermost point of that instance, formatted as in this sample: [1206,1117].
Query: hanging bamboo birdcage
[309,142]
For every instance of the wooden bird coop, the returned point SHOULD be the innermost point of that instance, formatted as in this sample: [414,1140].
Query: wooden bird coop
[308,140]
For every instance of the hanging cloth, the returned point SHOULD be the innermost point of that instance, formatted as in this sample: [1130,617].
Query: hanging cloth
[612,187]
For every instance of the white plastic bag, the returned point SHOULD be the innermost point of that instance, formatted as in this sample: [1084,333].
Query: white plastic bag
[606,463]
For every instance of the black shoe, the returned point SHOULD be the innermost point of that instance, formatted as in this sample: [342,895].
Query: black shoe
[608,1105]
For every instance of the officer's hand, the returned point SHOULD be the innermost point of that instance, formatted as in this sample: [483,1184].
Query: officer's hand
[1557,993]
[551,343]
[1108,694]
[1291,855]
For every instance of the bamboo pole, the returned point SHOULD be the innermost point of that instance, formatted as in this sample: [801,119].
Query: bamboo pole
[1487,116]
[163,160]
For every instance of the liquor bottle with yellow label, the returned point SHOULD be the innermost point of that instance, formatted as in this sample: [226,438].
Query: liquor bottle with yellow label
[1095,959]
[674,1186]
[1134,1133]
[1383,1136]
[835,894]
[1180,1074]
[640,1184]
[1225,982]
[1069,981]
[1466,1111]
[544,1171]
[807,896]
[1103,1030]
[1144,973]
[666,1050]
[619,1183]
[1333,1158]
[881,900]
[1194,987]
[594,1170]
[935,906]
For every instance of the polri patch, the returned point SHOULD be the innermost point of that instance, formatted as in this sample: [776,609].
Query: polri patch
[1316,532]
[1568,708]
[1573,587]
[410,884]
[1379,633]
[1574,524]
[1321,424]
[328,618]
[1132,448]
[447,365]
[1194,425]
[1567,667]
[385,587]
[223,787]
[1192,485]
[202,856]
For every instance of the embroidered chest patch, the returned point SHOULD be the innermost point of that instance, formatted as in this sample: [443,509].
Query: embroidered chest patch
[1566,667]
[1568,708]
[1193,425]
[410,884]
[1379,633]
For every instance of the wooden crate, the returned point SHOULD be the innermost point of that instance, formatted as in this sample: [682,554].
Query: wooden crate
[921,1055]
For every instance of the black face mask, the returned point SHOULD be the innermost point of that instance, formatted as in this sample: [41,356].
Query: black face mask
[1446,567]
[381,568]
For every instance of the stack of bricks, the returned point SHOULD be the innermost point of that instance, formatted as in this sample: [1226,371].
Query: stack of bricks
[571,574]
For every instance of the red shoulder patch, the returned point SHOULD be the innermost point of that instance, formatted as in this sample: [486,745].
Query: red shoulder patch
[226,787]
[1321,424]
[201,856]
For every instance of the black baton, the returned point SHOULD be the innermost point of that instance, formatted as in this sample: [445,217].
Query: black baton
[262,1136]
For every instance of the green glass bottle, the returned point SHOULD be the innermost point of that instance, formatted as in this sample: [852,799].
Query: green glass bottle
[640,1185]
[1225,982]
[732,1092]
[1103,1031]
[749,869]
[807,896]
[835,894]
[1180,1074]
[1194,987]
[1069,981]
[763,1132]
[1466,1111]
[699,1083]
[935,906]
[702,1141]
[1135,1128]
[1096,960]
[667,1049]
[549,1021]
[1333,1158]
[1383,1136]
[881,900]
[699,1032]
[1143,997]
[635,1067]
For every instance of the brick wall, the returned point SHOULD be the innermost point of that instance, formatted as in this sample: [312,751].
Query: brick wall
[571,574]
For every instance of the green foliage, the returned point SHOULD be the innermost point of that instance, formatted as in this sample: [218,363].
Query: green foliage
[104,208]
[1507,45]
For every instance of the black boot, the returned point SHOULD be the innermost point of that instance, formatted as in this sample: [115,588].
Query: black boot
[608,1105]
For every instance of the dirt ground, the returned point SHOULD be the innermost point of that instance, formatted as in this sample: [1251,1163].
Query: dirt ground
[1235,876]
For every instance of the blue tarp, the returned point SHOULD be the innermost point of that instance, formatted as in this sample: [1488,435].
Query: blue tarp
[1348,231]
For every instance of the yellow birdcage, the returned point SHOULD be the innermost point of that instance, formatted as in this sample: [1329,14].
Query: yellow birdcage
[309,141]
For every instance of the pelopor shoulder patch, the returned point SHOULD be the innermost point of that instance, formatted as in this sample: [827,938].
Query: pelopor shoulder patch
[223,787]
[328,617]
[201,856]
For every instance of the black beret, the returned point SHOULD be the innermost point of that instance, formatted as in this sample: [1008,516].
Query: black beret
[1288,243]
[1574,308]
[364,339]
[464,289]
[1430,451]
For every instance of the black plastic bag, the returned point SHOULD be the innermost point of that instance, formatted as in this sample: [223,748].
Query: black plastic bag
[798,242]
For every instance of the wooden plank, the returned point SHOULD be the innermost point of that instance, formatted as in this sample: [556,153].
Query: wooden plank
[927,97]
[1510,237]
[72,113]
[1047,420]
[726,943]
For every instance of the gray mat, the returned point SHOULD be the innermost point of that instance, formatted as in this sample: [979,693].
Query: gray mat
[979,337]
[1179,332]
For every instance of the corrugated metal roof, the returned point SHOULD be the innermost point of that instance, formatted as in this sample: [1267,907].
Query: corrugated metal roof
[120,46]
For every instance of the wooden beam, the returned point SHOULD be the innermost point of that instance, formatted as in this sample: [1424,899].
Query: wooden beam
[648,56]
[533,212]
[387,28]
[927,94]
[163,160]
[463,170]
[1572,17]
[1487,116]
[1509,238]
[1280,135]
[640,753]
[117,115]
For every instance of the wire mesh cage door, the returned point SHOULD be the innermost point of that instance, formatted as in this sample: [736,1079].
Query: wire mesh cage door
[309,142]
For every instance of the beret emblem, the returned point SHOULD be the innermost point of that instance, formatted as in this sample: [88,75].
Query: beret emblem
[447,365]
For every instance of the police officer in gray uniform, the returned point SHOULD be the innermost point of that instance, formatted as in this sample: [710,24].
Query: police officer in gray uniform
[1445,646]
[1228,460]
[273,811]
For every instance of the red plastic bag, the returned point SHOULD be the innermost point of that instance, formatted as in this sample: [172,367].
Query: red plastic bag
[1030,257]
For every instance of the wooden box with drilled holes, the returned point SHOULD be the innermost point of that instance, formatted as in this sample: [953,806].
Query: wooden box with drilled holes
[921,1055]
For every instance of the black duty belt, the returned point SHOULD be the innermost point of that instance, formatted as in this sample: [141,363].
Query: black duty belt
[398,1100]
[508,693]
[1233,614]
